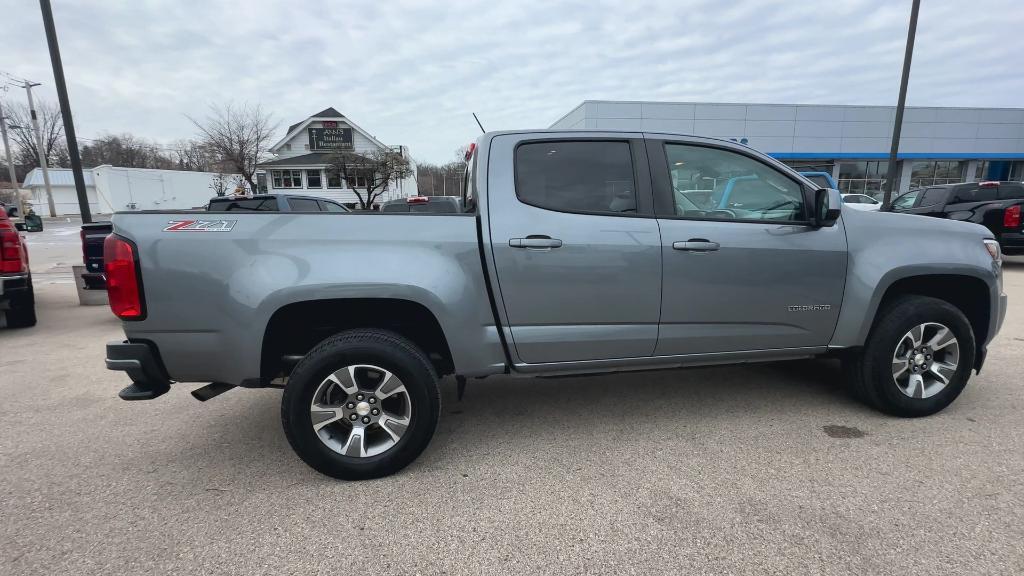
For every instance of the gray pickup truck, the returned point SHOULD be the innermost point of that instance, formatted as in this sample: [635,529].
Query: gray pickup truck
[576,253]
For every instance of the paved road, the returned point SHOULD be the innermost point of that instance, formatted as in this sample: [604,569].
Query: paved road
[711,470]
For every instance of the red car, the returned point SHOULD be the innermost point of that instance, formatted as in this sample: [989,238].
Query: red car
[17,301]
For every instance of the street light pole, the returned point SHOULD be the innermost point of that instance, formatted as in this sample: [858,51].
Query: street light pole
[65,112]
[7,152]
[898,126]
[39,148]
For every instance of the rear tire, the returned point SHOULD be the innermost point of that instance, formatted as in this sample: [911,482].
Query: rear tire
[22,309]
[404,413]
[918,389]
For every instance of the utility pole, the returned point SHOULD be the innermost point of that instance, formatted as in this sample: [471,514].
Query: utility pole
[10,161]
[39,147]
[898,126]
[65,112]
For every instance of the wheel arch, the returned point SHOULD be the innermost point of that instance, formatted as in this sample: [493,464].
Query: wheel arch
[296,327]
[967,289]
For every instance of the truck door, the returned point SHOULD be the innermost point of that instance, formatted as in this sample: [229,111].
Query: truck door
[743,268]
[575,245]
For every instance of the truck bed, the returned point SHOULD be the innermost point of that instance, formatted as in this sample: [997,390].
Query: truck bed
[212,286]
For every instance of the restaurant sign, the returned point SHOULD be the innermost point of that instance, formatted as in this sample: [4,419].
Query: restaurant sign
[330,138]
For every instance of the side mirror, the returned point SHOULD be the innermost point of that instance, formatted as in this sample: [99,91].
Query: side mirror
[827,206]
[19,226]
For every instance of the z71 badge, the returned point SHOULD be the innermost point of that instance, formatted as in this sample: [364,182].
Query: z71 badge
[200,225]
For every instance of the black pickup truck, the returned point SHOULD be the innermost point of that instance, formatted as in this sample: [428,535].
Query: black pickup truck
[994,205]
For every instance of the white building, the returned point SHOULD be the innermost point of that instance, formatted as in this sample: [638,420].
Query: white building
[301,160]
[111,189]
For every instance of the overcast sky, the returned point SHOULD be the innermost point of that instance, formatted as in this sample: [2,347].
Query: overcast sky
[411,72]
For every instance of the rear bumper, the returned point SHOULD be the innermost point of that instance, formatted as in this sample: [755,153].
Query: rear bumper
[14,285]
[141,361]
[1011,242]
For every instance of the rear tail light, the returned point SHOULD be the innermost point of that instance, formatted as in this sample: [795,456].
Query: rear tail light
[124,285]
[417,200]
[12,253]
[989,184]
[470,150]
[1011,217]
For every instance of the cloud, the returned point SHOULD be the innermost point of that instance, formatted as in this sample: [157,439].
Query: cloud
[411,72]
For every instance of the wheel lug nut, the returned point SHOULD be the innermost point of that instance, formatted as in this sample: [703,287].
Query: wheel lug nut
[374,411]
[354,417]
[372,400]
[359,396]
[366,419]
[350,405]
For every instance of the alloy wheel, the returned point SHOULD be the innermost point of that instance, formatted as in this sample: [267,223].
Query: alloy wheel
[925,360]
[360,410]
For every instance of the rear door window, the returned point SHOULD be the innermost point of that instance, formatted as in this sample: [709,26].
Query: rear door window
[303,205]
[245,204]
[592,177]
[332,207]
[933,196]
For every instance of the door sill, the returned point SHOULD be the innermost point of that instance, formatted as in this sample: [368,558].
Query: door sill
[663,362]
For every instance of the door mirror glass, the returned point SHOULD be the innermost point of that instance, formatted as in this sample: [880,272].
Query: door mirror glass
[827,205]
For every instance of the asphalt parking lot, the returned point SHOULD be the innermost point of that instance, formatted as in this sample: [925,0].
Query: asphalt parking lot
[755,469]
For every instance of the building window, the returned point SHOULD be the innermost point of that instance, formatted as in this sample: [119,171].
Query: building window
[866,177]
[810,165]
[356,180]
[286,178]
[932,172]
[1017,172]
[333,179]
[313,179]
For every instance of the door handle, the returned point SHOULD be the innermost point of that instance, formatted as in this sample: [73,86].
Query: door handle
[535,242]
[696,245]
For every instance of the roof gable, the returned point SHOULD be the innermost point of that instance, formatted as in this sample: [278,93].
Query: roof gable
[326,114]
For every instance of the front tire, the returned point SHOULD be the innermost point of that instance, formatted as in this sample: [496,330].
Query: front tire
[917,359]
[361,404]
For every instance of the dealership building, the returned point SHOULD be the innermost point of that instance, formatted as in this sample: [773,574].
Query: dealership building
[937,145]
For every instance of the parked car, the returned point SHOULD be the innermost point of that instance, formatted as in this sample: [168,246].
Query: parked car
[995,205]
[17,299]
[11,209]
[432,204]
[862,202]
[572,256]
[274,203]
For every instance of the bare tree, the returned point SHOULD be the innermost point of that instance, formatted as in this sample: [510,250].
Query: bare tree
[219,185]
[238,134]
[50,124]
[125,150]
[375,170]
[193,155]
[443,179]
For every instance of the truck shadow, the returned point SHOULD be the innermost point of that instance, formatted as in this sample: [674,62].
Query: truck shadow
[553,417]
